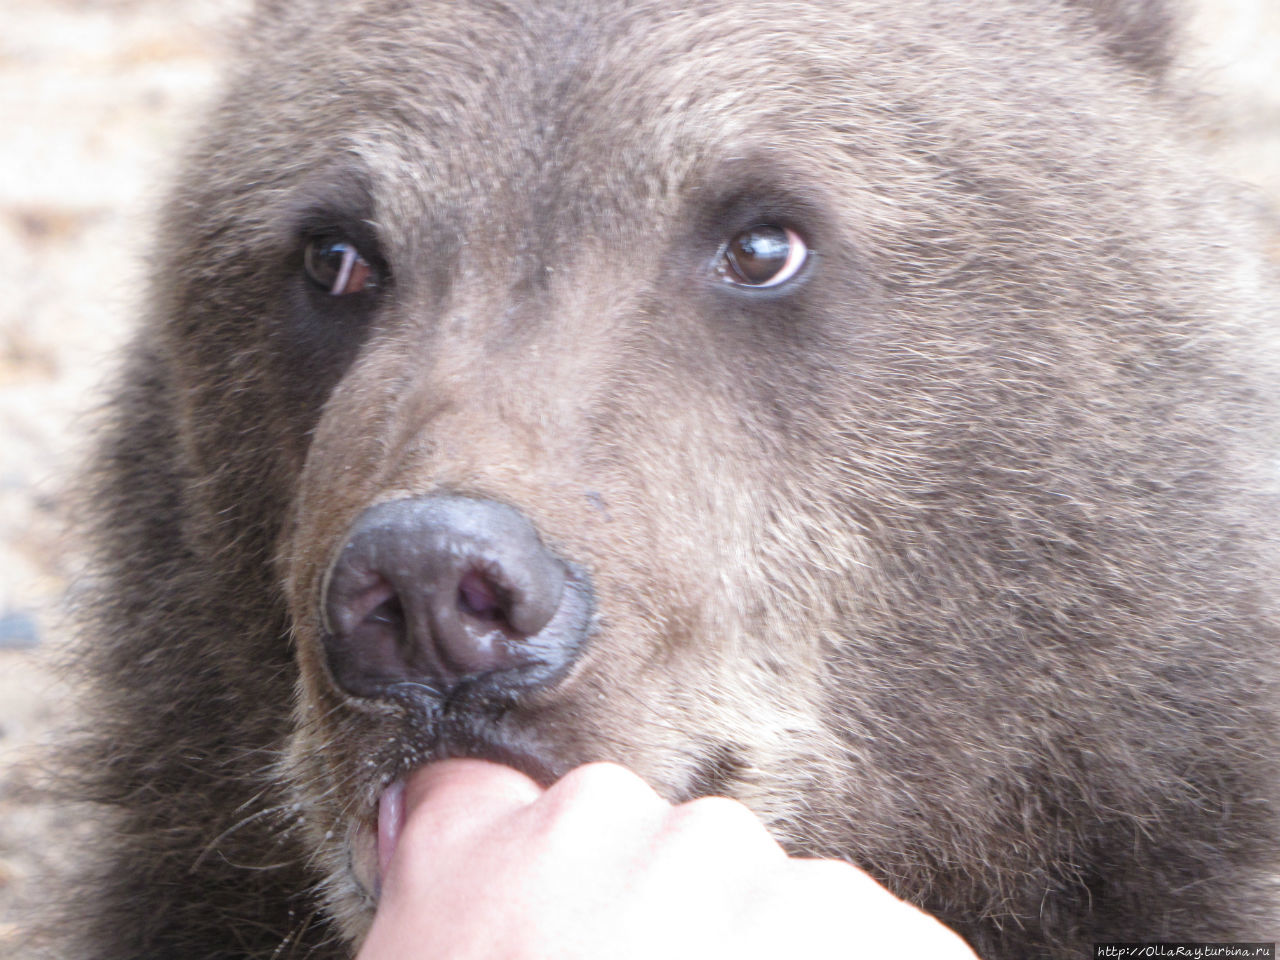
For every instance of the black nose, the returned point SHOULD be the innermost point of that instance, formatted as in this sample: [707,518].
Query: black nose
[444,591]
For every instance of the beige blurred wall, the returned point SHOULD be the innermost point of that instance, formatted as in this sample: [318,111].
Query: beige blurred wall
[95,96]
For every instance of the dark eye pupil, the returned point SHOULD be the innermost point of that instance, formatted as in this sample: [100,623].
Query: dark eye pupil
[337,267]
[758,254]
[323,260]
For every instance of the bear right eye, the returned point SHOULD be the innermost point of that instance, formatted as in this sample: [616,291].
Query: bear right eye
[766,255]
[337,267]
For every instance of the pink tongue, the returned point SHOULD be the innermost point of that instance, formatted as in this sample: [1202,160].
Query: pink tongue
[390,820]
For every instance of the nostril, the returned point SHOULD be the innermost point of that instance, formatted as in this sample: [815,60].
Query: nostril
[389,614]
[481,599]
[370,630]
[377,603]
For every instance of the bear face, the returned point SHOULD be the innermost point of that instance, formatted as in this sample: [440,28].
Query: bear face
[860,410]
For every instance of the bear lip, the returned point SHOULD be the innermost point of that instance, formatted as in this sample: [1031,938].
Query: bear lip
[390,825]
[372,841]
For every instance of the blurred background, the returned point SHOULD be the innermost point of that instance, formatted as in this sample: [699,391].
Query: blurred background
[96,99]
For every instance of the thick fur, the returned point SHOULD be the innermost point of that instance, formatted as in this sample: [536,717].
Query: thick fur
[955,558]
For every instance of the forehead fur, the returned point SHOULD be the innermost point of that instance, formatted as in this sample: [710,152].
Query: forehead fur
[555,92]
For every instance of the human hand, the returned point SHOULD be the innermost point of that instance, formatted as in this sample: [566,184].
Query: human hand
[490,866]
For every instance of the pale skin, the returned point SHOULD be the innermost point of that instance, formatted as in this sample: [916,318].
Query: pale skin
[491,866]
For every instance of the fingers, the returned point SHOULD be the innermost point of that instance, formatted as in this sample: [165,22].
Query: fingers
[487,858]
[599,865]
[446,804]
[473,788]
[600,793]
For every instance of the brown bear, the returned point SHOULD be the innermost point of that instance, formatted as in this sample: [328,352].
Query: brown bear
[864,409]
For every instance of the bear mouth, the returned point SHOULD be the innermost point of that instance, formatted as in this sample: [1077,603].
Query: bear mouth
[373,837]
[467,727]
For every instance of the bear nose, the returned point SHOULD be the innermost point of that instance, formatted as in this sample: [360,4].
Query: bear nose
[443,591]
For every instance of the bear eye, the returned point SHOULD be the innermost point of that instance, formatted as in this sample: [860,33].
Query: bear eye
[337,267]
[765,255]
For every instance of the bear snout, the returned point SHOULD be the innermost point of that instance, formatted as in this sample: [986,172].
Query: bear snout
[443,595]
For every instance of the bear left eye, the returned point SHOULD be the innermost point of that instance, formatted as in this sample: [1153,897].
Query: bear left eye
[337,267]
[765,255]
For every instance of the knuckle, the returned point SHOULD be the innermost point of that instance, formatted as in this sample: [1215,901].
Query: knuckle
[602,786]
[721,819]
[604,779]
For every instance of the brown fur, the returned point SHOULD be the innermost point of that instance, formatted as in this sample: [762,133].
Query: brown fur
[955,559]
